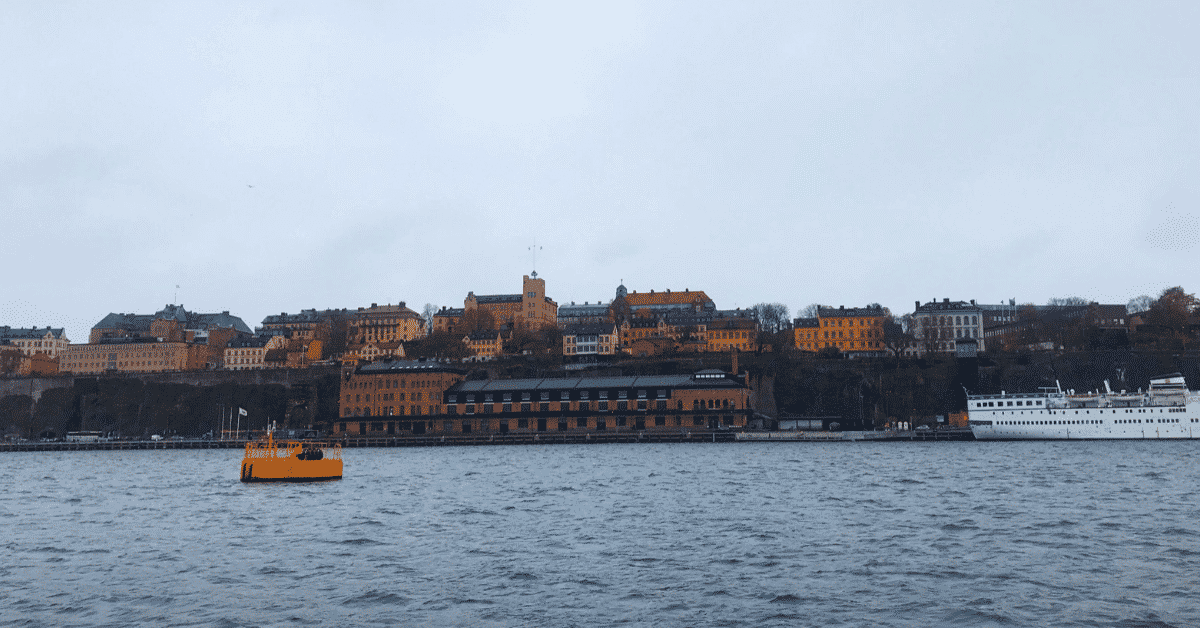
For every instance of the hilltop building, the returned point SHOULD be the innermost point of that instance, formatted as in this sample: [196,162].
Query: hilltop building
[939,325]
[48,341]
[531,308]
[856,331]
[384,323]
[590,340]
[172,339]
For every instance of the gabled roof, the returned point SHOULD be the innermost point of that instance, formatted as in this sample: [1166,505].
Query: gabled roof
[406,366]
[303,317]
[847,312]
[589,329]
[189,320]
[31,333]
[687,297]
[254,342]
[498,298]
[647,382]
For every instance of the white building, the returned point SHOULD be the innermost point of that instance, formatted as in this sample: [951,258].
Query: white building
[938,325]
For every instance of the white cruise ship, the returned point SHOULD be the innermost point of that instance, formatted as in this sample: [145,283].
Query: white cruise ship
[1167,410]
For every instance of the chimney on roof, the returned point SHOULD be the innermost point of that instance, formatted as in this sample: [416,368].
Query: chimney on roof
[402,304]
[972,301]
[841,307]
[226,312]
[918,305]
[374,305]
[945,300]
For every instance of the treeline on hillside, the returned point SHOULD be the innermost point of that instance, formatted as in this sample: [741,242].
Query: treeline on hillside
[133,408]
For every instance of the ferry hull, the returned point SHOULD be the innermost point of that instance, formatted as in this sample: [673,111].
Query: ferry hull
[291,470]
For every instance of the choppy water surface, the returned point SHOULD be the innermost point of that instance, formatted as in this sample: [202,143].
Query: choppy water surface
[773,534]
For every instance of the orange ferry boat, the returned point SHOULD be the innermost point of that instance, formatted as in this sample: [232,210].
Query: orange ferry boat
[268,460]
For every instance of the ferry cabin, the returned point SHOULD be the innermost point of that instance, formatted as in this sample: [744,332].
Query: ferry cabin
[710,399]
[1100,416]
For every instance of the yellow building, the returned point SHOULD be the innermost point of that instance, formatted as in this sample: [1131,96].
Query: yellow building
[805,333]
[531,309]
[484,344]
[854,331]
[384,323]
[245,354]
[727,334]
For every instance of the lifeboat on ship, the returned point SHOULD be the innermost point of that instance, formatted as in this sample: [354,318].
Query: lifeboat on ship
[270,460]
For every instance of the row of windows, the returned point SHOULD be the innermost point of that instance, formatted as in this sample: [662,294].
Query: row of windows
[390,411]
[850,322]
[1019,402]
[562,424]
[417,396]
[1093,422]
[563,395]
[586,406]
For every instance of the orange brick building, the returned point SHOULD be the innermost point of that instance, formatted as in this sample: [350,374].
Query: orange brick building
[402,396]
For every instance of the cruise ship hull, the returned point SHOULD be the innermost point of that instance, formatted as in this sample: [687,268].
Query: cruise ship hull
[1168,411]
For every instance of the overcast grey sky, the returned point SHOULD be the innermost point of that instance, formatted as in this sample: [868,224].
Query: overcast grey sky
[282,156]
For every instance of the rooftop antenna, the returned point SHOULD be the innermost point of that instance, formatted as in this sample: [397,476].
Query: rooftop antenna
[534,250]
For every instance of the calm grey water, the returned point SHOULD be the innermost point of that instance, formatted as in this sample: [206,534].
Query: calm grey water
[770,534]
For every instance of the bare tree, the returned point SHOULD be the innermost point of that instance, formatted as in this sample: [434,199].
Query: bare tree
[809,311]
[427,314]
[771,317]
[897,335]
[1139,304]
[1067,301]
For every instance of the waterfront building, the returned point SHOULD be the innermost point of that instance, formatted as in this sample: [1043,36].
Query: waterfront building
[396,396]
[701,400]
[378,400]
[856,331]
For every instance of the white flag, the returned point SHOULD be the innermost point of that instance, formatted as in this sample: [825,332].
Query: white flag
[241,412]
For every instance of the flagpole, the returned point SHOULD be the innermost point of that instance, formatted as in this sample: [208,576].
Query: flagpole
[239,423]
